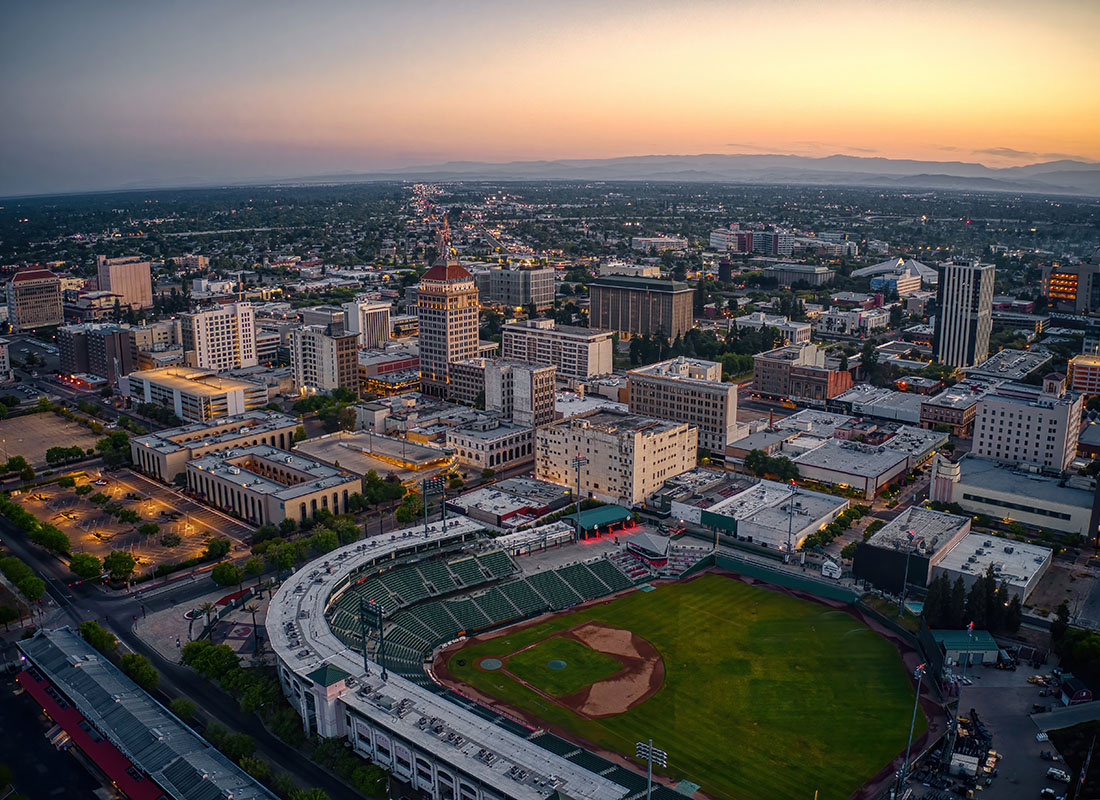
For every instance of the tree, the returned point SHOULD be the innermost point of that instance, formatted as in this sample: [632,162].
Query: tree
[98,637]
[171,540]
[120,565]
[299,434]
[149,529]
[254,568]
[488,473]
[288,526]
[8,614]
[183,708]
[226,573]
[140,670]
[212,661]
[85,566]
[1060,624]
[307,794]
[1014,615]
[958,604]
[207,609]
[32,587]
[252,608]
[848,551]
[217,548]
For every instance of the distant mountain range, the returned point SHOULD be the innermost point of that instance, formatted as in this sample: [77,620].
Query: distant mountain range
[1053,177]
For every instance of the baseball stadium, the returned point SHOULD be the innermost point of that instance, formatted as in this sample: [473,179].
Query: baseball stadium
[531,666]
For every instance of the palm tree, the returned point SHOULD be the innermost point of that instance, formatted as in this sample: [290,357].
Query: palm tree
[252,608]
[207,609]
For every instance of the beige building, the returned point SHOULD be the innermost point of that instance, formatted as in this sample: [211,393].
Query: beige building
[324,357]
[513,390]
[1023,424]
[194,395]
[640,306]
[688,390]
[629,456]
[370,320]
[577,353]
[164,455]
[447,310]
[34,300]
[129,277]
[220,338]
[491,444]
[265,485]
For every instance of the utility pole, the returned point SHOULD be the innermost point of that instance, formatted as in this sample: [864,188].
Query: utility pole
[578,462]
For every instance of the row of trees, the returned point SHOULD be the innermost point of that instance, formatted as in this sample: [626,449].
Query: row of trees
[1078,648]
[989,605]
[760,464]
[42,534]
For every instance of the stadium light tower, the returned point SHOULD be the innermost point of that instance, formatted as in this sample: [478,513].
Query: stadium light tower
[578,462]
[790,522]
[370,616]
[650,754]
[919,672]
[905,580]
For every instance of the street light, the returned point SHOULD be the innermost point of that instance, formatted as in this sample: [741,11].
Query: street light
[650,754]
[919,672]
[578,462]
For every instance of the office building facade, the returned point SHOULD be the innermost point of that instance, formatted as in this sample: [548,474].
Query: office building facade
[101,349]
[447,309]
[640,306]
[323,358]
[687,390]
[194,395]
[577,353]
[34,300]
[798,372]
[521,287]
[964,313]
[220,338]
[370,320]
[1022,424]
[129,277]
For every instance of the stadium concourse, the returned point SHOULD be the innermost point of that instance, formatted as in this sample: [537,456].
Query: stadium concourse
[432,586]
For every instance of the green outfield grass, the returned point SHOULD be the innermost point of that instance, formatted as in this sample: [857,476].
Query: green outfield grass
[584,666]
[765,695]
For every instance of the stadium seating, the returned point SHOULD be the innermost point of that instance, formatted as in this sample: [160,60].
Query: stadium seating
[469,616]
[556,591]
[435,616]
[435,572]
[611,575]
[467,570]
[526,599]
[583,580]
[406,583]
[497,563]
[496,606]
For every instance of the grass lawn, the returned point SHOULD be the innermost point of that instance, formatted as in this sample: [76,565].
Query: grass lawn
[584,666]
[765,695]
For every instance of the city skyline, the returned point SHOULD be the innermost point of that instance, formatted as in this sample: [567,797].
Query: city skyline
[132,96]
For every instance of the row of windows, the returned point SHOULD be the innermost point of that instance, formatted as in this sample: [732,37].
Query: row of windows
[1043,512]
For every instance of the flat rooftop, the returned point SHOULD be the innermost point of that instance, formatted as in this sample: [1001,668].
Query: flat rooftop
[568,404]
[228,465]
[220,431]
[1003,479]
[768,503]
[1012,365]
[497,430]
[193,381]
[647,284]
[1012,561]
[819,423]
[613,421]
[361,451]
[932,531]
[915,441]
[853,458]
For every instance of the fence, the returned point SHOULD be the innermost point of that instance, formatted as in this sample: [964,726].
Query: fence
[222,612]
[822,587]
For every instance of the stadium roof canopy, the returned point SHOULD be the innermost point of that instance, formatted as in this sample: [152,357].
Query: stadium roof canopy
[599,517]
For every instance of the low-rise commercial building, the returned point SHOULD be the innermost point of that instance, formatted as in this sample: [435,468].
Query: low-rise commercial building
[808,274]
[908,548]
[798,372]
[361,451]
[628,456]
[492,444]
[956,407]
[862,467]
[920,443]
[510,503]
[164,454]
[1019,564]
[1009,365]
[792,332]
[865,400]
[194,395]
[265,485]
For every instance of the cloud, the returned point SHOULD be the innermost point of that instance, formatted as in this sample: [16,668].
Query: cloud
[1005,152]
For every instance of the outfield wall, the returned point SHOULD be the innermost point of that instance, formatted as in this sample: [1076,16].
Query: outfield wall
[788,580]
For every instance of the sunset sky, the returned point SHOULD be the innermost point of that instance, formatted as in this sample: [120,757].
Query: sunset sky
[112,94]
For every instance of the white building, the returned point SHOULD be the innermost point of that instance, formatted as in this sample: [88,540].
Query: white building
[792,332]
[220,338]
[492,444]
[964,313]
[1022,424]
[1018,564]
[193,395]
[853,322]
[370,319]
[578,353]
[659,243]
[629,456]
[5,361]
[630,270]
[688,390]
[863,467]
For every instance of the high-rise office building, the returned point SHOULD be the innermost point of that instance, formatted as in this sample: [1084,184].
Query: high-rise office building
[520,287]
[102,349]
[964,312]
[447,310]
[522,393]
[34,300]
[640,306]
[1023,424]
[129,277]
[370,319]
[323,358]
[221,338]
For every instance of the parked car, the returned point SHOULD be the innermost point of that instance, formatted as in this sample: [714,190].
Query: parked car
[1056,774]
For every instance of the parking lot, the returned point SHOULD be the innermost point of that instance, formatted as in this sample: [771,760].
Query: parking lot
[1003,700]
[31,435]
[93,530]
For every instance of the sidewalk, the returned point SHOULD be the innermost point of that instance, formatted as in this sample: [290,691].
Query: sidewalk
[168,630]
